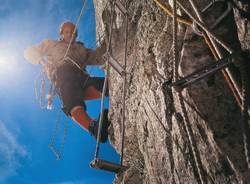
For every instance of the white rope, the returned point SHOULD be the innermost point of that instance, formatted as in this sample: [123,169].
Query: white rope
[223,44]
[213,38]
[180,98]
[59,153]
[109,49]
[76,26]
[124,88]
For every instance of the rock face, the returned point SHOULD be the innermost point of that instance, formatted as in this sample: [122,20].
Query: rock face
[157,144]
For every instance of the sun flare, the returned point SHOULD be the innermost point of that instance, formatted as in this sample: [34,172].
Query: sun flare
[8,64]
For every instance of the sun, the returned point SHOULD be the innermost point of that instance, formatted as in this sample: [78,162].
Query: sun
[8,64]
[3,60]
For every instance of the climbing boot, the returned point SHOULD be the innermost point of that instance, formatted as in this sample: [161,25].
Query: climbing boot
[93,127]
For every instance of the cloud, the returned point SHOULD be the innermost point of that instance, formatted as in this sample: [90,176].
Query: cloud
[11,153]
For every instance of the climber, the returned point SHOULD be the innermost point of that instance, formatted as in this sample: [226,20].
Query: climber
[68,75]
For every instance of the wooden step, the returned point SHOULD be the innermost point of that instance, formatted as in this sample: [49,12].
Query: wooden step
[107,166]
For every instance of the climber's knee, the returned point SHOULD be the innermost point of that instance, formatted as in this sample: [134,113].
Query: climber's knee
[80,116]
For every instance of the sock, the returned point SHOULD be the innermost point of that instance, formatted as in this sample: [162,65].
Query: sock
[81,117]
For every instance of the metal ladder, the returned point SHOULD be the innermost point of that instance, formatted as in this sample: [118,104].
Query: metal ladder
[121,70]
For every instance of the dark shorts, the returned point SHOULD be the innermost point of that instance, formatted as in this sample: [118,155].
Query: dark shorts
[70,84]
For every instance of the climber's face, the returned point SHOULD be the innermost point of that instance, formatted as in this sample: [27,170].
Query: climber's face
[67,34]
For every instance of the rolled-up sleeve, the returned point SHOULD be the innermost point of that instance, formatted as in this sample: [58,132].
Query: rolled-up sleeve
[95,57]
[35,53]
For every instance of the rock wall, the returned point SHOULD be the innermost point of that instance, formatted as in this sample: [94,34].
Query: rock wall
[157,148]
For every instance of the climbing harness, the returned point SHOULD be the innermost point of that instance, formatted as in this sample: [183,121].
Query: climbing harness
[98,163]
[58,154]
[52,91]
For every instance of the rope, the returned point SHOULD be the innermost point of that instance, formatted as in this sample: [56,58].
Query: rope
[175,64]
[169,12]
[77,24]
[226,73]
[105,84]
[124,87]
[58,153]
[71,60]
[219,54]
[187,124]
[212,35]
[40,91]
[241,98]
[42,94]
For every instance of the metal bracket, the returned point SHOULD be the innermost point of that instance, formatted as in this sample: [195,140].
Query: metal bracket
[121,7]
[114,63]
[218,20]
[107,166]
[204,72]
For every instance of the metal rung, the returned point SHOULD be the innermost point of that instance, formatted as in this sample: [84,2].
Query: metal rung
[107,166]
[115,64]
[204,72]
[121,7]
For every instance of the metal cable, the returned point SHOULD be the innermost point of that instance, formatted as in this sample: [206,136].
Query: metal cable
[211,34]
[59,153]
[124,87]
[169,12]
[212,39]
[226,73]
[105,83]
[244,81]
[187,124]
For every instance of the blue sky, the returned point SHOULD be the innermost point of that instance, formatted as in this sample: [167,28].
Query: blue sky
[26,129]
